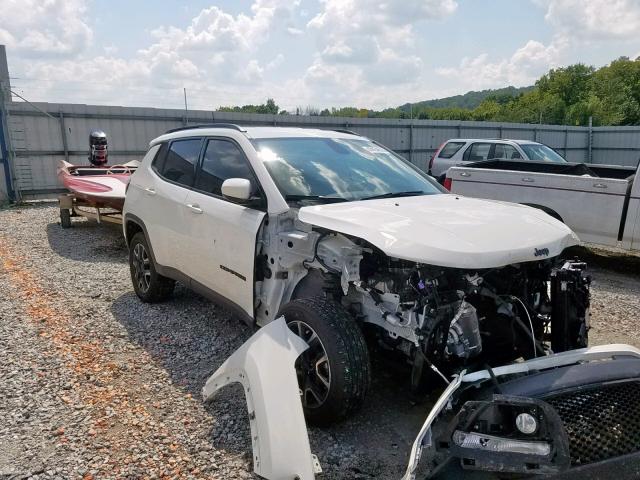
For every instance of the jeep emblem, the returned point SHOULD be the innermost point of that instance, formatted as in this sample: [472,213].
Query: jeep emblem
[541,252]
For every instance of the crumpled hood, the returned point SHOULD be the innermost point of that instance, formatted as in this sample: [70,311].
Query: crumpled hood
[448,230]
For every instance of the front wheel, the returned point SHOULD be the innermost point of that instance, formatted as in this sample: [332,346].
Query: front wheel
[334,372]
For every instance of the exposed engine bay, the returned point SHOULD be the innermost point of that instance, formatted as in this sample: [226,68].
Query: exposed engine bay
[441,319]
[447,318]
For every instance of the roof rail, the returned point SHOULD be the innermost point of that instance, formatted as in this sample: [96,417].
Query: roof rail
[208,125]
[342,130]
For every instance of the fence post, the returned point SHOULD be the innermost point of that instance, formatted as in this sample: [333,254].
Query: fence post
[590,140]
[411,142]
[566,141]
[63,132]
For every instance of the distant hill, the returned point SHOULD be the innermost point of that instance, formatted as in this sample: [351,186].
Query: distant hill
[469,100]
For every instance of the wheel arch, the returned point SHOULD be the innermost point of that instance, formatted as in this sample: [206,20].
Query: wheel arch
[132,225]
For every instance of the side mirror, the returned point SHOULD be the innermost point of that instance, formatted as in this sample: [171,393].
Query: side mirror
[236,189]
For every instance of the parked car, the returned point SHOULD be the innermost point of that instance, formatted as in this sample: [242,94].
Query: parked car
[458,151]
[343,237]
[601,203]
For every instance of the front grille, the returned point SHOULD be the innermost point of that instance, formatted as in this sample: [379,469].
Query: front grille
[602,422]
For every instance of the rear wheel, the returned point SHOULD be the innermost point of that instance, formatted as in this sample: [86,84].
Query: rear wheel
[148,284]
[334,372]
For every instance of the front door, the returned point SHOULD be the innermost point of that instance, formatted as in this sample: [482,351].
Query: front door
[223,233]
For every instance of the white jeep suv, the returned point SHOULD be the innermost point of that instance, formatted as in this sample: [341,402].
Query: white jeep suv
[348,241]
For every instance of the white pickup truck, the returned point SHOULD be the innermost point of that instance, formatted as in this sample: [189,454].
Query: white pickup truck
[601,203]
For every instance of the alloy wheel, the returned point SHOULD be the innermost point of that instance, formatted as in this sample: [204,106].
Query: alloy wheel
[312,367]
[142,267]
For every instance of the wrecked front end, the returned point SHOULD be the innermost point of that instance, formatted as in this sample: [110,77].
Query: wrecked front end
[570,415]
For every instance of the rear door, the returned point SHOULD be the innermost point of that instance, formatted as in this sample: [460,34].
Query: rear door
[172,173]
[223,232]
[478,151]
[504,151]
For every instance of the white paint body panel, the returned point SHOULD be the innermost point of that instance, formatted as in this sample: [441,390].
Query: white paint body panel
[222,244]
[447,230]
[264,365]
[590,206]
[159,200]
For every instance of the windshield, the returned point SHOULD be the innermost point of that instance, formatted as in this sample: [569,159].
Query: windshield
[541,153]
[339,169]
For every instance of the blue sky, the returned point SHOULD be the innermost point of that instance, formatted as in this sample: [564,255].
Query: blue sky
[322,53]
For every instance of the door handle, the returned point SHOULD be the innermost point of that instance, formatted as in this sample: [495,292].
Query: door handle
[465,174]
[528,180]
[149,191]
[600,185]
[194,207]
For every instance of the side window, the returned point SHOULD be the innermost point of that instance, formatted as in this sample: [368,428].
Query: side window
[222,160]
[477,152]
[498,151]
[450,149]
[180,162]
[161,155]
[511,153]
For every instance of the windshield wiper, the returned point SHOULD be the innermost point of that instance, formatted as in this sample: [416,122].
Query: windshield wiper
[319,198]
[395,194]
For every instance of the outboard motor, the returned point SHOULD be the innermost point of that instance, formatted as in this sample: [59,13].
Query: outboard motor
[98,148]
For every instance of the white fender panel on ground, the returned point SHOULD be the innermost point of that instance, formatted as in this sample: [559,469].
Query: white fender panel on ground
[264,365]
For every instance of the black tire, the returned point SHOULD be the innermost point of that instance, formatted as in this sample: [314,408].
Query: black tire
[347,359]
[65,218]
[148,284]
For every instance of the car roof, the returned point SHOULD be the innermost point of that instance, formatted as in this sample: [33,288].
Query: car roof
[496,140]
[254,132]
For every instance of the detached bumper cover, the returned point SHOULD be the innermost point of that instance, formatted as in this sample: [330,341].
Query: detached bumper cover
[601,380]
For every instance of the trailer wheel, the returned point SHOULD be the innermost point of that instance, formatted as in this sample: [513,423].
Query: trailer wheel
[65,218]
[149,285]
[334,372]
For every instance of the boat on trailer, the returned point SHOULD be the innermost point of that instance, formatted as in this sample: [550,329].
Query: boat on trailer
[94,192]
[97,186]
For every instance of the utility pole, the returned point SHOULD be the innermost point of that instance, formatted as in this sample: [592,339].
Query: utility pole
[186,109]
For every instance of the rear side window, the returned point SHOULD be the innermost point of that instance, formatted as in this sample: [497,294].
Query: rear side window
[450,149]
[477,152]
[161,155]
[222,160]
[180,163]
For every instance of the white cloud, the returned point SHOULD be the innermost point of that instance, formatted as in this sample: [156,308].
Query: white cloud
[276,62]
[364,46]
[521,69]
[216,52]
[45,28]
[581,20]
[372,22]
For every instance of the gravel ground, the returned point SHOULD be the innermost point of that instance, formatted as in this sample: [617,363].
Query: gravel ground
[96,384]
